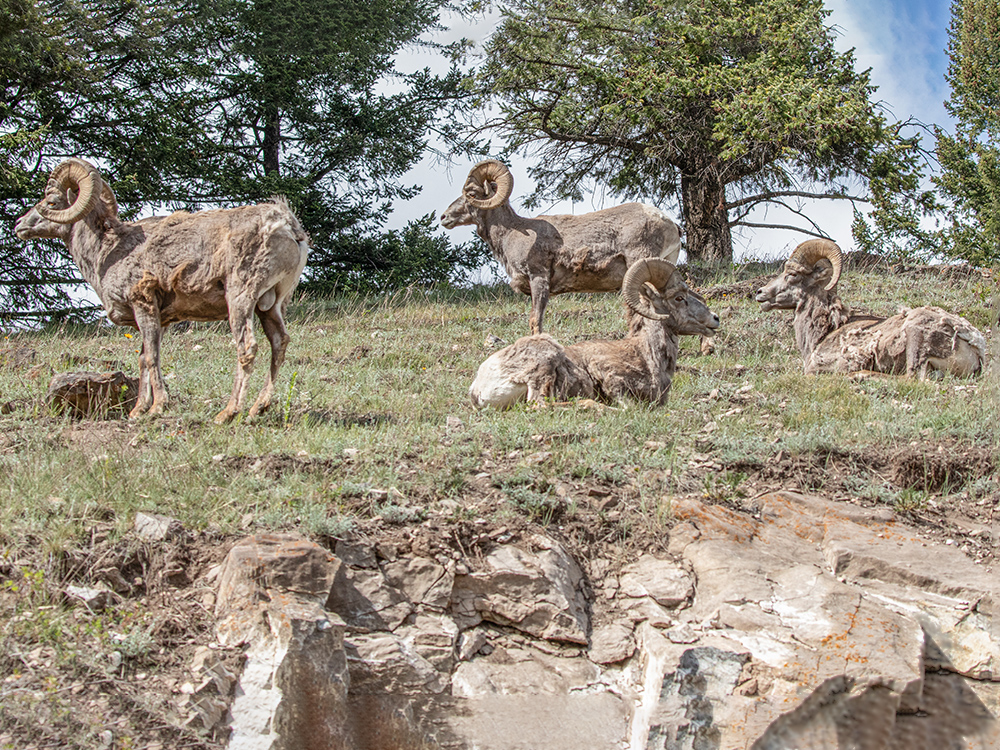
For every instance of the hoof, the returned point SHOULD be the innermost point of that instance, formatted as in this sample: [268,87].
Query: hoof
[137,411]
[258,409]
[224,416]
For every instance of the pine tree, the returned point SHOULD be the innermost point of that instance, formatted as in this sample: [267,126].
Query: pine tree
[970,159]
[196,103]
[720,105]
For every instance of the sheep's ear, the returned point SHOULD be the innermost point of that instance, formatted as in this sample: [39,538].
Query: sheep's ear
[650,292]
[652,296]
[822,272]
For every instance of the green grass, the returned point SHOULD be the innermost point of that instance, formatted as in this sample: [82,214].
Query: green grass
[373,396]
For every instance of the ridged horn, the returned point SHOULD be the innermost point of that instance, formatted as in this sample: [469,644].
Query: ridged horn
[811,251]
[655,271]
[109,198]
[78,175]
[482,175]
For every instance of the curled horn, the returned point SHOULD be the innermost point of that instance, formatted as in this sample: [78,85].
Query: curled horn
[655,271]
[77,175]
[482,175]
[110,201]
[811,251]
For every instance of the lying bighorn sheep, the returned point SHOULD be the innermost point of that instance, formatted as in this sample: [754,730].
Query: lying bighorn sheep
[659,308]
[557,254]
[832,340]
[210,265]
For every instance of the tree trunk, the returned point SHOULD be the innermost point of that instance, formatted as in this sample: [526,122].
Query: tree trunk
[706,220]
[272,141]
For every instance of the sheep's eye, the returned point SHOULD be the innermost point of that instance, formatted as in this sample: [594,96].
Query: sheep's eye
[680,299]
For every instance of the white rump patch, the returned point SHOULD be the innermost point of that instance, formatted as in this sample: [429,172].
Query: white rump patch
[493,388]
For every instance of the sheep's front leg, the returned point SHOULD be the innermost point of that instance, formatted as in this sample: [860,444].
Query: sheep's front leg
[539,300]
[274,328]
[241,324]
[152,389]
[145,395]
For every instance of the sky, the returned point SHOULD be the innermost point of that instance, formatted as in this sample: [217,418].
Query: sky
[903,42]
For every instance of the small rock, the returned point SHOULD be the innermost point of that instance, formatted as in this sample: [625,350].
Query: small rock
[611,644]
[356,555]
[681,634]
[94,599]
[493,342]
[89,394]
[470,643]
[152,527]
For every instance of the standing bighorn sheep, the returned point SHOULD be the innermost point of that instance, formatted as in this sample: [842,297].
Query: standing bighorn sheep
[210,265]
[557,254]
[659,308]
[830,339]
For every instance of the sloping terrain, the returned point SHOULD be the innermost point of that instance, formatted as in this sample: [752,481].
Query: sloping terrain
[373,441]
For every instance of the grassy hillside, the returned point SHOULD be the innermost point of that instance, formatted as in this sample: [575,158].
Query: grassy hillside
[373,435]
[374,397]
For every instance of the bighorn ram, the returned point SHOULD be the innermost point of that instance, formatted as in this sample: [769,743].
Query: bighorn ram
[565,253]
[210,265]
[659,308]
[832,340]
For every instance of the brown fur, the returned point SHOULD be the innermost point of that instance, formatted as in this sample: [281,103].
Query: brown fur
[640,366]
[210,265]
[588,252]
[913,342]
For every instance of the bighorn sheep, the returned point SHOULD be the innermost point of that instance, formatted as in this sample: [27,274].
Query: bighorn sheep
[557,254]
[832,340]
[659,308]
[210,265]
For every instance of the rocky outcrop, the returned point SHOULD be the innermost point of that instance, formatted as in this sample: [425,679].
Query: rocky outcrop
[792,623]
[92,394]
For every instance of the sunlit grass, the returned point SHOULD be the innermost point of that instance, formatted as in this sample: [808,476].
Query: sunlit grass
[374,395]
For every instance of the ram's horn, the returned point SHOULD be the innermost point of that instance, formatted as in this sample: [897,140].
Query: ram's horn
[655,271]
[811,251]
[482,175]
[81,177]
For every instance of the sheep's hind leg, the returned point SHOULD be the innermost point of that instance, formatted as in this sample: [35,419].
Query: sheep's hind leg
[277,334]
[241,324]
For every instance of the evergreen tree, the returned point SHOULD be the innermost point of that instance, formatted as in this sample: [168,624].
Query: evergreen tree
[193,104]
[721,105]
[297,104]
[970,159]
[102,80]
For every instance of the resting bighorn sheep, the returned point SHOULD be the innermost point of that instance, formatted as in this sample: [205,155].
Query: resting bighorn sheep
[564,253]
[659,308]
[830,339]
[210,265]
